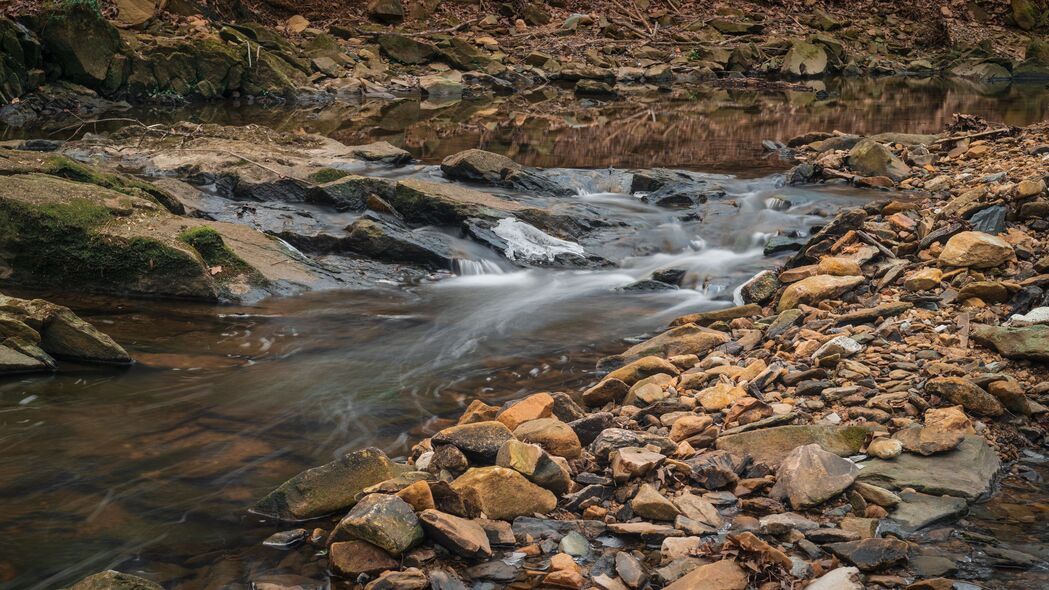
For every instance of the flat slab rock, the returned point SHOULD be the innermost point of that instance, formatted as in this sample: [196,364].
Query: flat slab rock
[966,472]
[771,445]
[917,511]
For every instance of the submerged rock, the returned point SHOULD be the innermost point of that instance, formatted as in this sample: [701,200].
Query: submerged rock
[329,488]
[114,580]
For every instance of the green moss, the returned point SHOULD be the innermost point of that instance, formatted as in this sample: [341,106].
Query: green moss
[55,244]
[209,244]
[67,168]
[325,175]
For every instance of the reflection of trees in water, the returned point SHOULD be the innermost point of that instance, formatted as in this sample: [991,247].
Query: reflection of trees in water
[701,128]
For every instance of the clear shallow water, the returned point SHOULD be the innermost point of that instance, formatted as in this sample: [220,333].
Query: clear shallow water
[151,469]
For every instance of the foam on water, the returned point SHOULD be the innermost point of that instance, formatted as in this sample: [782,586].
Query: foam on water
[528,243]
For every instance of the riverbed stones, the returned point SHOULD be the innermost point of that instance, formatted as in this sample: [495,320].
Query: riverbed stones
[975,250]
[870,158]
[684,339]
[350,559]
[617,438]
[641,368]
[607,390]
[871,554]
[1028,342]
[503,494]
[927,441]
[809,476]
[631,462]
[816,288]
[385,521]
[720,575]
[965,393]
[885,448]
[479,441]
[967,472]
[804,59]
[649,503]
[553,435]
[842,578]
[533,407]
[916,511]
[409,579]
[771,445]
[459,535]
[329,488]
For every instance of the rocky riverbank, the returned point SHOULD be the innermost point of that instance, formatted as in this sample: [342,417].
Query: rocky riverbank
[829,431]
[209,51]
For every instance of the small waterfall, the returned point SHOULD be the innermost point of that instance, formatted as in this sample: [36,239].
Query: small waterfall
[467,267]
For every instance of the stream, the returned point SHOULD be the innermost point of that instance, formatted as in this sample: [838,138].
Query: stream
[150,469]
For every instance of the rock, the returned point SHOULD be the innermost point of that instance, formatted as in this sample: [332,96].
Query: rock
[926,441]
[923,280]
[114,580]
[1025,14]
[405,49]
[553,435]
[630,570]
[475,165]
[1011,395]
[479,441]
[720,396]
[590,427]
[771,445]
[389,240]
[967,471]
[649,503]
[386,11]
[870,158]
[966,394]
[876,495]
[1029,342]
[683,339]
[885,448]
[296,24]
[458,535]
[814,289]
[134,13]
[871,554]
[842,578]
[916,511]
[705,318]
[409,579]
[975,250]
[535,464]
[699,510]
[720,575]
[804,59]
[715,470]
[642,368]
[734,27]
[533,407]
[385,521]
[631,462]
[761,288]
[781,524]
[841,346]
[440,86]
[618,438]
[607,390]
[839,266]
[688,426]
[503,494]
[352,558]
[809,476]
[81,63]
[329,488]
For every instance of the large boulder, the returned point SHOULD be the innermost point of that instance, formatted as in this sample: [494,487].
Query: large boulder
[1027,342]
[57,331]
[976,250]
[870,158]
[809,476]
[63,35]
[329,488]
[475,165]
[814,289]
[386,521]
[503,494]
[968,471]
[771,445]
[965,393]
[804,59]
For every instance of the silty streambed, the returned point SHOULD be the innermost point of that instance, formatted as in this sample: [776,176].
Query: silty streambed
[151,469]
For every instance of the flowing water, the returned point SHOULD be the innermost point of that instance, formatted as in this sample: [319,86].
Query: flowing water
[150,469]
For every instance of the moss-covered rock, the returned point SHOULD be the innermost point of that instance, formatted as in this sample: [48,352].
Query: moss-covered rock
[81,43]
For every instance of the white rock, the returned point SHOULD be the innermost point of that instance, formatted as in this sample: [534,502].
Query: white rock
[843,578]
[840,345]
[1038,315]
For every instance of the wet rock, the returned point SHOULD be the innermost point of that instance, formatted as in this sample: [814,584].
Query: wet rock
[975,250]
[771,445]
[409,579]
[963,392]
[458,535]
[649,503]
[870,158]
[1028,342]
[286,539]
[916,511]
[533,407]
[682,339]
[535,464]
[761,288]
[328,488]
[871,554]
[641,368]
[876,495]
[387,522]
[388,240]
[503,494]
[350,559]
[114,580]
[479,441]
[814,289]
[720,575]
[630,570]
[475,165]
[809,476]
[553,435]
[967,471]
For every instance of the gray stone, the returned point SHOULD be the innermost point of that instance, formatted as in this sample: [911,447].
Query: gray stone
[387,522]
[771,445]
[916,510]
[967,472]
[809,476]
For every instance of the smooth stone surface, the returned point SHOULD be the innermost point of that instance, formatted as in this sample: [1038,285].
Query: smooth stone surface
[965,472]
[771,445]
